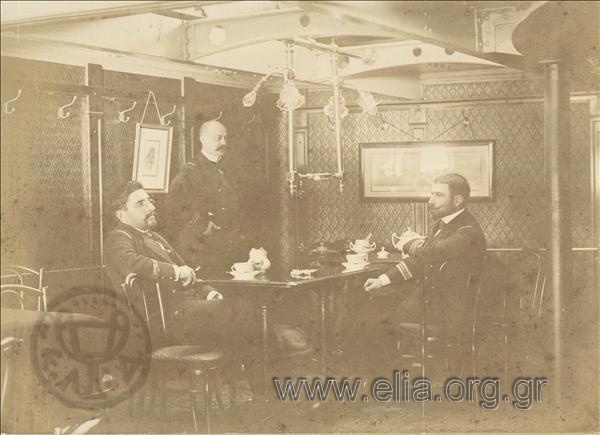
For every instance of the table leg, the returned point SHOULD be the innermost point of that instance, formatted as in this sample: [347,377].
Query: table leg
[265,331]
[323,339]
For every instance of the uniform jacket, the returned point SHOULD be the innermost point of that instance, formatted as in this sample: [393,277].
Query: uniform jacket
[202,191]
[449,264]
[152,258]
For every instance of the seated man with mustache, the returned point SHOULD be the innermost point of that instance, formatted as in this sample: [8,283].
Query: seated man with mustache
[133,247]
[448,261]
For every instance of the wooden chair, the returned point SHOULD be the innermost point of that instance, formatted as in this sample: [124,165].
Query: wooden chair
[21,284]
[525,329]
[198,363]
[431,347]
[20,287]
[511,318]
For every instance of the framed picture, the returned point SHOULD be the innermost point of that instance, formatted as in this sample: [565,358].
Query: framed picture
[406,170]
[152,156]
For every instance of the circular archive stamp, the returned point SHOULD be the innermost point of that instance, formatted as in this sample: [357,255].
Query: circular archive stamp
[92,350]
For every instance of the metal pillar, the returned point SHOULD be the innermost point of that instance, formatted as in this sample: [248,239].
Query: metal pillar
[557,144]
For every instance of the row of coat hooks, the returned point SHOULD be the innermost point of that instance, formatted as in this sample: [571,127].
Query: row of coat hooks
[63,112]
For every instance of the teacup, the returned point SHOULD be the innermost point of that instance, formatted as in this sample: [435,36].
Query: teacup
[357,258]
[242,268]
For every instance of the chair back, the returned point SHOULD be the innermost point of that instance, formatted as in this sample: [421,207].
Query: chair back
[525,284]
[22,287]
[135,290]
[212,319]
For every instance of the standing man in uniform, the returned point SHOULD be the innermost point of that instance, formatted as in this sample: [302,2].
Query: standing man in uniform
[205,221]
[203,207]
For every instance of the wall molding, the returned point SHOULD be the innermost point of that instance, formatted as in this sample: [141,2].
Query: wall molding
[475,76]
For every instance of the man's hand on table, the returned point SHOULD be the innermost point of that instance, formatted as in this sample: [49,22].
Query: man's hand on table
[214,295]
[186,275]
[372,284]
[376,283]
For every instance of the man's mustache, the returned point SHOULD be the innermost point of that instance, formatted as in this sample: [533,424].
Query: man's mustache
[150,215]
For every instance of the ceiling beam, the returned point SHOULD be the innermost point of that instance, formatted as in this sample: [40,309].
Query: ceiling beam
[180,15]
[122,10]
[451,25]
[245,30]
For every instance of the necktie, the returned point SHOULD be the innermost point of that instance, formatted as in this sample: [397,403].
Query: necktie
[156,245]
[439,226]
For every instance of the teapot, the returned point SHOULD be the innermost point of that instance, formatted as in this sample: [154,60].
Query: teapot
[258,256]
[406,236]
[361,246]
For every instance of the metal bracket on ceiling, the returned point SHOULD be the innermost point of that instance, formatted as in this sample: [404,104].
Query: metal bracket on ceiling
[494,29]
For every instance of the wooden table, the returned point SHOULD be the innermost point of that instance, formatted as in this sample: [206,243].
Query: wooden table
[13,318]
[330,277]
[17,326]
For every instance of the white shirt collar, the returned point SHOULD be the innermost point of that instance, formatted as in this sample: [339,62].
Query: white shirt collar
[450,217]
[211,157]
[139,230]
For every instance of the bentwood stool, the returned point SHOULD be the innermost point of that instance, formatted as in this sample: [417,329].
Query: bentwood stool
[196,364]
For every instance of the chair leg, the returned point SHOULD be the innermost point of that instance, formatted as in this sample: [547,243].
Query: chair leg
[131,404]
[217,393]
[194,412]
[207,402]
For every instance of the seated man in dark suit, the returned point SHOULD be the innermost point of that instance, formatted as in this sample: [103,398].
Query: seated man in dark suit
[132,247]
[449,261]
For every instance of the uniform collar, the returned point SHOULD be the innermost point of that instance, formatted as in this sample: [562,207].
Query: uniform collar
[447,219]
[211,158]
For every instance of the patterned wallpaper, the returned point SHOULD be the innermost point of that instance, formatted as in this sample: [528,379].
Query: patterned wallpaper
[119,137]
[518,215]
[45,173]
[483,89]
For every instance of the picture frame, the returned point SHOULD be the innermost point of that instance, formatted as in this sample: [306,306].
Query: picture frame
[152,156]
[404,171]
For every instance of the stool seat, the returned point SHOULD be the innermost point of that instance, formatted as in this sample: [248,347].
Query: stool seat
[186,354]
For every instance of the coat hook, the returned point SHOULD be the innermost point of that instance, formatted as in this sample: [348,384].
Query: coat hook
[61,110]
[247,123]
[5,108]
[219,117]
[122,117]
[162,118]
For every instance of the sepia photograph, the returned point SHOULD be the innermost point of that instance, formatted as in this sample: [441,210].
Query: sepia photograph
[300,217]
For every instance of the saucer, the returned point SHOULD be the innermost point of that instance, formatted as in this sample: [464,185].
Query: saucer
[355,266]
[245,275]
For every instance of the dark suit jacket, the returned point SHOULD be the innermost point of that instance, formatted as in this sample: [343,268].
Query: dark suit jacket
[203,191]
[449,264]
[152,258]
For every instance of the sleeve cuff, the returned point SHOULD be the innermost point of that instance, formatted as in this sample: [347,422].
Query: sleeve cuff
[176,271]
[155,269]
[385,280]
[404,270]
